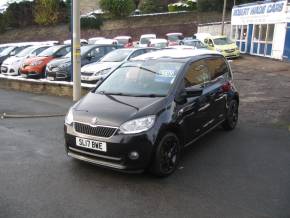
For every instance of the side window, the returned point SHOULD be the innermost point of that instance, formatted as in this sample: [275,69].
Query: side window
[63,51]
[137,53]
[111,48]
[217,67]
[99,52]
[38,51]
[197,74]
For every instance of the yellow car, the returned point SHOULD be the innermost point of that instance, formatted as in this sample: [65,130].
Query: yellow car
[223,45]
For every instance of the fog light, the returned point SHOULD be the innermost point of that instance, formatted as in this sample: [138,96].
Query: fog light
[134,155]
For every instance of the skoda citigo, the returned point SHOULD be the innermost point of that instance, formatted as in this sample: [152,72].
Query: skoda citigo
[146,111]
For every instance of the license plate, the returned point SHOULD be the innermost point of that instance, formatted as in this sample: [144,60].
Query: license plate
[91,144]
[85,78]
[50,78]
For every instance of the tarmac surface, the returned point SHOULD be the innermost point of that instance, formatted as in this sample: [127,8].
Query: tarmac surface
[243,173]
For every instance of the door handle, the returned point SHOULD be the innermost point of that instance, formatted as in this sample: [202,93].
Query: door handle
[220,98]
[204,107]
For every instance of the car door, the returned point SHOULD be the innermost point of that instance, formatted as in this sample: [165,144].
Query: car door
[193,114]
[219,76]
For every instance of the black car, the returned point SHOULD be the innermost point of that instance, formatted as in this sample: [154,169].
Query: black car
[146,111]
[60,68]
[11,51]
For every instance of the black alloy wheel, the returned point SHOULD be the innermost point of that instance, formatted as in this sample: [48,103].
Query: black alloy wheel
[232,116]
[167,156]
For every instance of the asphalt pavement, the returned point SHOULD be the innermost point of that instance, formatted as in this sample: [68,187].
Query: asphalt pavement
[243,173]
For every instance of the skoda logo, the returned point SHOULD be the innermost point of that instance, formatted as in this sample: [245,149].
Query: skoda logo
[94,121]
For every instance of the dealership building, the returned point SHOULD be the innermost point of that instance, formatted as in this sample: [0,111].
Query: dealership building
[262,28]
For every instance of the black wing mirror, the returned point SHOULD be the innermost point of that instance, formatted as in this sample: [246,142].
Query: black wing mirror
[188,93]
[193,92]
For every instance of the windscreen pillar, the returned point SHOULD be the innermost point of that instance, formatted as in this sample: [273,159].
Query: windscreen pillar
[76,50]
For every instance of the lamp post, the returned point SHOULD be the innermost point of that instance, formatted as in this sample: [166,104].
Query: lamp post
[76,50]
[223,18]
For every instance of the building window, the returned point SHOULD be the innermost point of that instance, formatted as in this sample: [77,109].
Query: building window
[256,32]
[263,32]
[234,30]
[270,34]
[244,32]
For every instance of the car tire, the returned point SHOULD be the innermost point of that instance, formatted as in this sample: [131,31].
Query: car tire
[167,156]
[232,116]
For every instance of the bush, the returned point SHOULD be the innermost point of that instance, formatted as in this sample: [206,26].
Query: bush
[91,22]
[188,5]
[118,8]
[3,23]
[47,12]
[19,14]
[151,6]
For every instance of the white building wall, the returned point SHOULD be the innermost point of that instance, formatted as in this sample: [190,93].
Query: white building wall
[279,40]
[214,29]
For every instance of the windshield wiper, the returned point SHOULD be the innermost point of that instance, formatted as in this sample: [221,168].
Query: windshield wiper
[151,95]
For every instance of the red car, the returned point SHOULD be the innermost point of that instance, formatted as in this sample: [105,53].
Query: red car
[35,67]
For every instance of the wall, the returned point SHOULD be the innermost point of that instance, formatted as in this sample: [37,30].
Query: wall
[135,26]
[215,28]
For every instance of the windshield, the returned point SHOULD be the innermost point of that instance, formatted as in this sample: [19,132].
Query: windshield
[222,41]
[174,38]
[25,52]
[146,40]
[160,45]
[117,56]
[84,50]
[147,78]
[123,41]
[194,43]
[50,51]
[7,50]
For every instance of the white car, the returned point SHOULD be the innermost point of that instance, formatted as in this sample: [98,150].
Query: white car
[11,65]
[145,39]
[68,42]
[91,73]
[95,39]
[106,42]
[158,43]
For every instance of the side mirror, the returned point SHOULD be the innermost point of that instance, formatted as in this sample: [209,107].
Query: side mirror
[210,44]
[193,92]
[13,53]
[188,93]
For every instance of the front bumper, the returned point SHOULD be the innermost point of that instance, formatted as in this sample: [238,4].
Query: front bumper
[234,54]
[119,147]
[58,76]
[31,71]
[9,70]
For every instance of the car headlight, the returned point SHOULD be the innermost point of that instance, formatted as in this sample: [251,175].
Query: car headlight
[69,119]
[102,72]
[36,63]
[138,125]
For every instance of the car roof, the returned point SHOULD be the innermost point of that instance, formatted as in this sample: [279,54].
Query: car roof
[148,35]
[171,34]
[178,54]
[123,37]
[157,40]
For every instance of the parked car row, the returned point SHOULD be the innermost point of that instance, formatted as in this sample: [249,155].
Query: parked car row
[99,55]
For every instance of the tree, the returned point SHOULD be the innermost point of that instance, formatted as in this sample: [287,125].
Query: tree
[46,12]
[118,8]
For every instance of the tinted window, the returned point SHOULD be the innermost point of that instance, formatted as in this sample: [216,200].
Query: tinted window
[197,74]
[117,55]
[110,49]
[38,51]
[217,67]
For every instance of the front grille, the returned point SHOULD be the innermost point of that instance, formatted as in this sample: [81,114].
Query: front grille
[230,50]
[99,131]
[87,74]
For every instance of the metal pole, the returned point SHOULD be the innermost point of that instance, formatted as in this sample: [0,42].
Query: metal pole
[76,50]
[224,15]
